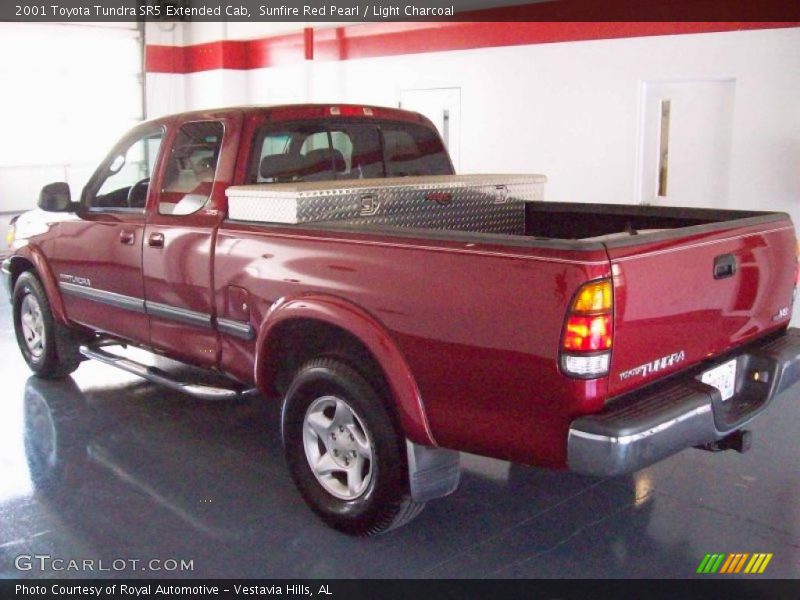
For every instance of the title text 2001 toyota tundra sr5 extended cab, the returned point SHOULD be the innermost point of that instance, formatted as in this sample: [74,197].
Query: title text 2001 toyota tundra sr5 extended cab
[329,255]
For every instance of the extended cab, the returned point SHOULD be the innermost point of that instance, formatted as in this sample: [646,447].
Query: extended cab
[329,256]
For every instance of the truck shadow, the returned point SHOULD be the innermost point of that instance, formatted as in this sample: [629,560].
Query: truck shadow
[143,472]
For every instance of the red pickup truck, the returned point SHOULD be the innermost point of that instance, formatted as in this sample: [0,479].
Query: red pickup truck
[329,256]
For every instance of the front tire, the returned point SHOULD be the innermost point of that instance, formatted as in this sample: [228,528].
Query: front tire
[49,348]
[344,450]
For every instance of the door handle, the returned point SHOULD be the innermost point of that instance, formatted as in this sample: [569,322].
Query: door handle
[156,240]
[724,266]
[127,237]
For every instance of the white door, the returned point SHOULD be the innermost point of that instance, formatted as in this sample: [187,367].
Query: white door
[443,107]
[685,143]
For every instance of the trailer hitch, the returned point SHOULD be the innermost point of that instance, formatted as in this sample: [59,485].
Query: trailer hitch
[740,440]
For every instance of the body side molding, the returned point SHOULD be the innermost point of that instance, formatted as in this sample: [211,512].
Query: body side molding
[174,313]
[240,329]
[102,296]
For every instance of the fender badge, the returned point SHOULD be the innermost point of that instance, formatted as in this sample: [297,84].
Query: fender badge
[76,280]
[783,313]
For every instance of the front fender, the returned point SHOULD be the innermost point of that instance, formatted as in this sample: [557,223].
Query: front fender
[349,317]
[33,255]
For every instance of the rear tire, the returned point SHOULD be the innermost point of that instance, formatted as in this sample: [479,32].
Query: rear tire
[344,450]
[50,349]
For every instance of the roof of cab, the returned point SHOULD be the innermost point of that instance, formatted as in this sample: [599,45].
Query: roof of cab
[285,112]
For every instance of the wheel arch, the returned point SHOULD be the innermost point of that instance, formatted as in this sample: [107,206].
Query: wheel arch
[32,259]
[319,320]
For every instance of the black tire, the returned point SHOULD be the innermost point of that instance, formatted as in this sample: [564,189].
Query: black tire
[385,502]
[59,355]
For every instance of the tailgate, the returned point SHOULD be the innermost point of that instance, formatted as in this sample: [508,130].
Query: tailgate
[681,300]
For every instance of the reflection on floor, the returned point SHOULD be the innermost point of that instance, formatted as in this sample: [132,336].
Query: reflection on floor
[105,467]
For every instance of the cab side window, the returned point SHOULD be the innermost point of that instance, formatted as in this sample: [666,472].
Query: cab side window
[126,179]
[191,168]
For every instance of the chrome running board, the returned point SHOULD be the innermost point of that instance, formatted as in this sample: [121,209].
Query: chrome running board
[196,390]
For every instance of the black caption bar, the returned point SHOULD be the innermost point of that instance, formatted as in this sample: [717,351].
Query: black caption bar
[216,10]
[402,589]
[399,10]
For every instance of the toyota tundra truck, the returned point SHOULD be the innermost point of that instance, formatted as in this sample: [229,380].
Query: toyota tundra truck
[328,256]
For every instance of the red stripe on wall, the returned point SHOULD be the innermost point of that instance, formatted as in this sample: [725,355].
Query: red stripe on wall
[276,51]
[393,39]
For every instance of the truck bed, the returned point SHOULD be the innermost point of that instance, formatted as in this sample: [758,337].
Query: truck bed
[621,224]
[689,284]
[511,206]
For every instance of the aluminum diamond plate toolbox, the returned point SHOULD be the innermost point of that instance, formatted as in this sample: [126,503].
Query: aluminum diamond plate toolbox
[480,203]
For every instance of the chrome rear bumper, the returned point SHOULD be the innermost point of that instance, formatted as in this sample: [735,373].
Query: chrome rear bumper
[647,426]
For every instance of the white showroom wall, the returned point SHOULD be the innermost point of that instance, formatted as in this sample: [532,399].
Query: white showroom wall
[69,93]
[570,110]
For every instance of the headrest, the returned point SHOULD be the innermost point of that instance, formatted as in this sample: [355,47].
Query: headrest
[281,166]
[321,160]
[315,162]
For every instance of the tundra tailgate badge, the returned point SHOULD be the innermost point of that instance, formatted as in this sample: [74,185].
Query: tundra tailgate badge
[657,365]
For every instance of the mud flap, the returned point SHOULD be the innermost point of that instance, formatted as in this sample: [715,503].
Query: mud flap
[432,472]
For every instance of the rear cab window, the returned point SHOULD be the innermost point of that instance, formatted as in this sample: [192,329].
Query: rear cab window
[326,150]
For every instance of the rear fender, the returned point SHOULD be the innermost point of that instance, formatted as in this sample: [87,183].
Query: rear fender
[372,334]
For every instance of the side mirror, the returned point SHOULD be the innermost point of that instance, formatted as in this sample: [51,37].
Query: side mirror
[55,197]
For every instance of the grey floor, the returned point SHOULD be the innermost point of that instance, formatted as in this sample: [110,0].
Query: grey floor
[104,466]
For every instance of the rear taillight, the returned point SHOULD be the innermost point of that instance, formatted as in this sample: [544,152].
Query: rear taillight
[587,334]
[797,267]
[796,271]
[796,274]
[589,331]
